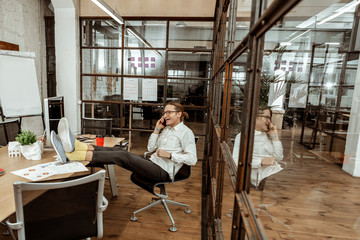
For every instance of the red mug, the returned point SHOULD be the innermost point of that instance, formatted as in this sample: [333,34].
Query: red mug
[100,141]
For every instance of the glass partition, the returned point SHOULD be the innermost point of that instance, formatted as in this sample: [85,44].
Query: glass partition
[145,117]
[189,64]
[190,34]
[238,81]
[307,80]
[188,92]
[95,61]
[145,34]
[144,62]
[100,87]
[243,17]
[101,33]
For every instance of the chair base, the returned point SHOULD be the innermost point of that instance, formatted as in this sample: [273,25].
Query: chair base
[6,232]
[165,203]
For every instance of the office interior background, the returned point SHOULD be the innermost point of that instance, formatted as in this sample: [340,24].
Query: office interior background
[221,59]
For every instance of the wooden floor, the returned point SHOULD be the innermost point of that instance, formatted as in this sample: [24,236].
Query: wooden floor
[310,199]
[153,223]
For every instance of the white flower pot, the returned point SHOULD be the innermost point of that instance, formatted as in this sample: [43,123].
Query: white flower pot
[32,152]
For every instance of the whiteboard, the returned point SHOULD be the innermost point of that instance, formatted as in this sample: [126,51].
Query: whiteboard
[19,91]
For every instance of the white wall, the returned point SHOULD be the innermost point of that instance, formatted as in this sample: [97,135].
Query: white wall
[67,58]
[22,23]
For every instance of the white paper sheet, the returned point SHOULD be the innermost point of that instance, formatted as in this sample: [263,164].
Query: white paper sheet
[149,89]
[131,89]
[34,173]
[41,171]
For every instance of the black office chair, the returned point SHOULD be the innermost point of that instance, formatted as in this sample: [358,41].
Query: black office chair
[97,126]
[3,138]
[8,131]
[70,209]
[162,196]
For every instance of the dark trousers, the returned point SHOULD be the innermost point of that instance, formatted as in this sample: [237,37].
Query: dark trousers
[140,166]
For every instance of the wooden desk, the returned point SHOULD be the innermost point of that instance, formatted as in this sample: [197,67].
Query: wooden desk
[9,164]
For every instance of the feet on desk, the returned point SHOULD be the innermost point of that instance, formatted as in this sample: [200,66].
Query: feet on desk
[58,147]
[66,137]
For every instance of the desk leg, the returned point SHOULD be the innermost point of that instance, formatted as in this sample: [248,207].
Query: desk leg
[112,179]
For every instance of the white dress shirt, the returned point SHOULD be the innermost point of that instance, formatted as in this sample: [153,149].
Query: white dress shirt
[179,141]
[263,147]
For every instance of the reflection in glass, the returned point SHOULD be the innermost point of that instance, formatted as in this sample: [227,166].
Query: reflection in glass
[145,117]
[329,97]
[189,64]
[101,33]
[188,92]
[153,32]
[95,61]
[100,87]
[238,77]
[351,69]
[313,96]
[242,20]
[346,98]
[102,110]
[197,35]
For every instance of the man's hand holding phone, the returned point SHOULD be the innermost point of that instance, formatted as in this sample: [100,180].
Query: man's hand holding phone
[272,132]
[160,124]
[164,123]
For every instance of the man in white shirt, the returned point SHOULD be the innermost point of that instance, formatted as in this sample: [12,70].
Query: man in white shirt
[172,141]
[267,149]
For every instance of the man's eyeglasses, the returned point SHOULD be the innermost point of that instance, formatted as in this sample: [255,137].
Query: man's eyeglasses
[168,112]
[264,116]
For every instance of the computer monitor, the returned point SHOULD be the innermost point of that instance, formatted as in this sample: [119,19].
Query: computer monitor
[53,112]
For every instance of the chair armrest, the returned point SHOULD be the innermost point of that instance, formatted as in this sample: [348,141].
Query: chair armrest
[15,226]
[104,205]
[282,164]
[146,154]
[173,174]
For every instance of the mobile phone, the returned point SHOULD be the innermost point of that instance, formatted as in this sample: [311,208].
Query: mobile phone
[164,123]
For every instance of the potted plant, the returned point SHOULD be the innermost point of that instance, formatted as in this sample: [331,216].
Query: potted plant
[30,148]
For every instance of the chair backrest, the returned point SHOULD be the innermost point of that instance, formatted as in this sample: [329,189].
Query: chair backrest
[12,129]
[97,126]
[63,210]
[3,138]
[8,131]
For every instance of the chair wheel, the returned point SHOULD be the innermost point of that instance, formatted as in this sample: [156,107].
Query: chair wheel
[133,218]
[188,211]
[173,229]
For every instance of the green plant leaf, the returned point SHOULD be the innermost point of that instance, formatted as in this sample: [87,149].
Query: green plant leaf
[26,137]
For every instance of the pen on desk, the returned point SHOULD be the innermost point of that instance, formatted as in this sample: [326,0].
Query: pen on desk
[43,136]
